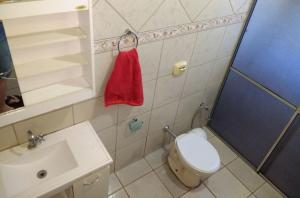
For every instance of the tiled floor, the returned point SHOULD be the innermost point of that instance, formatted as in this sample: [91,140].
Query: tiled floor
[151,178]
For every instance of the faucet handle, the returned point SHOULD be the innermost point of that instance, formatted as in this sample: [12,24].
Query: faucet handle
[41,138]
[29,132]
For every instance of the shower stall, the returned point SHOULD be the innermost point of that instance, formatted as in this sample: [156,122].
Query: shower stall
[257,110]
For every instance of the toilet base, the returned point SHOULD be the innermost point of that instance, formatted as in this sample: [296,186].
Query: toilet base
[188,176]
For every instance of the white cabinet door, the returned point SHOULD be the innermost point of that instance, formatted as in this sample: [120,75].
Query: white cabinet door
[93,186]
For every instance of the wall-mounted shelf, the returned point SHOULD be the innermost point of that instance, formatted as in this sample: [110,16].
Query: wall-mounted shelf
[56,90]
[45,38]
[45,66]
[52,51]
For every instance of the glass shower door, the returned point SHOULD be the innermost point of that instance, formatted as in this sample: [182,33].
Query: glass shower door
[270,50]
[282,168]
[248,118]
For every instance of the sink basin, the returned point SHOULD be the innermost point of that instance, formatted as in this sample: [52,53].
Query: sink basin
[64,157]
[29,169]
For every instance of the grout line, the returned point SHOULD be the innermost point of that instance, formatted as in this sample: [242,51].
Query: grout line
[120,15]
[146,173]
[231,6]
[209,189]
[236,177]
[207,185]
[140,177]
[152,14]
[187,14]
[163,183]
[195,19]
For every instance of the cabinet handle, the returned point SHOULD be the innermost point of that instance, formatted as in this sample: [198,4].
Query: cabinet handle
[96,180]
[80,7]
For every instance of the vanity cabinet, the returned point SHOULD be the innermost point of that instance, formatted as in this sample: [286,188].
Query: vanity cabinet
[51,44]
[94,185]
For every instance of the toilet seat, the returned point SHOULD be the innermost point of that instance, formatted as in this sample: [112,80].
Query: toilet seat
[197,152]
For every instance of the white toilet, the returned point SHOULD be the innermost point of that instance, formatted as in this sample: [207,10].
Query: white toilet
[192,158]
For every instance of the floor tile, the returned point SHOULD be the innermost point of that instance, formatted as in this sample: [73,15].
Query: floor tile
[114,184]
[209,133]
[226,154]
[133,171]
[175,187]
[245,174]
[148,186]
[120,194]
[267,191]
[157,158]
[200,192]
[224,185]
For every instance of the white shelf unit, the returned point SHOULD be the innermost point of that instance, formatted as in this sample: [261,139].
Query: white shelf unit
[52,53]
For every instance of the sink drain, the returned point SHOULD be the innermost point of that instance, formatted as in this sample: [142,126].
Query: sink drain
[41,174]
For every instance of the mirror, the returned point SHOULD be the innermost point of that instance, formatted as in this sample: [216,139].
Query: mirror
[10,95]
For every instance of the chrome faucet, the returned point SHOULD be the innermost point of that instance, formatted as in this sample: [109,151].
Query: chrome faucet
[34,140]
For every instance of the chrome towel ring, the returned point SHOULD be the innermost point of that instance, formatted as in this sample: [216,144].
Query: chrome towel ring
[130,34]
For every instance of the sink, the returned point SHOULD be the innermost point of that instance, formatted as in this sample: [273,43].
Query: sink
[30,168]
[64,157]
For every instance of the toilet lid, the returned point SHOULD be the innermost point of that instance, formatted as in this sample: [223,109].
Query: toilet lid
[198,153]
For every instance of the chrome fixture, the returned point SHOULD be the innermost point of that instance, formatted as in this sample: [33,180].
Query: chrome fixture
[168,130]
[34,140]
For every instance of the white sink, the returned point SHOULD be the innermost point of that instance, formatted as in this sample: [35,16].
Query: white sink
[64,157]
[28,170]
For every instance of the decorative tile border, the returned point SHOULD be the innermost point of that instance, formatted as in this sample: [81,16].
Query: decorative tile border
[150,36]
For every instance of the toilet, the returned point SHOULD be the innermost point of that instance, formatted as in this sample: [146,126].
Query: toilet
[192,158]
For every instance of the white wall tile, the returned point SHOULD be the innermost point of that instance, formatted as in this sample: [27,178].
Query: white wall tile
[47,123]
[240,6]
[136,12]
[101,117]
[216,8]
[149,56]
[168,89]
[161,116]
[125,137]
[107,23]
[108,137]
[7,137]
[194,7]
[126,111]
[197,79]
[228,45]
[207,45]
[129,154]
[170,13]
[216,78]
[155,142]
[186,109]
[104,64]
[174,50]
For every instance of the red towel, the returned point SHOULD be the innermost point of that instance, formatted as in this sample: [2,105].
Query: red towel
[125,83]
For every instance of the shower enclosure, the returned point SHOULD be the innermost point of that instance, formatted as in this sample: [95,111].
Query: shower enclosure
[257,110]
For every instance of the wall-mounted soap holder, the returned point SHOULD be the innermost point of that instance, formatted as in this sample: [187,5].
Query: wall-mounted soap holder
[135,125]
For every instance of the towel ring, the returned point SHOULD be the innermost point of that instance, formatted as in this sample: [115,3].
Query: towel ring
[128,33]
